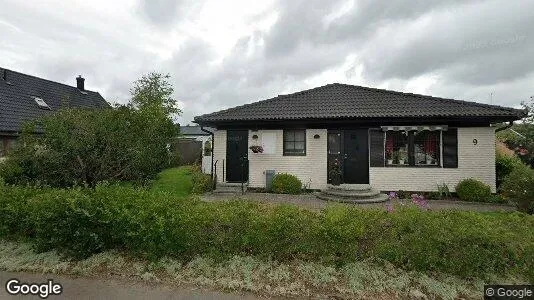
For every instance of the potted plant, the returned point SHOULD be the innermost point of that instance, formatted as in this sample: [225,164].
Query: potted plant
[390,156]
[335,173]
[402,155]
[256,149]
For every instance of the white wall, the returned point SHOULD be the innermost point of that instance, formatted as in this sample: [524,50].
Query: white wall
[476,161]
[311,169]
[219,153]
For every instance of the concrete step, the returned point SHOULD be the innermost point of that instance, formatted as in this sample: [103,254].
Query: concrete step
[376,199]
[231,184]
[225,188]
[350,187]
[359,194]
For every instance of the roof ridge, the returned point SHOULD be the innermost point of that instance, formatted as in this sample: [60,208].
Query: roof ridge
[463,102]
[56,82]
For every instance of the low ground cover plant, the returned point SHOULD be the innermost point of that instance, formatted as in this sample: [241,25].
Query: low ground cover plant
[79,222]
[286,184]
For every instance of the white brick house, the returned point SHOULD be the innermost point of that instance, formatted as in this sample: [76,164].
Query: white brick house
[390,140]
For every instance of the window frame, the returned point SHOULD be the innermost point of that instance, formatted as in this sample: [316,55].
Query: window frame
[284,135]
[411,151]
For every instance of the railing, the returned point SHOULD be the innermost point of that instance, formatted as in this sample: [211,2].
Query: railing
[244,166]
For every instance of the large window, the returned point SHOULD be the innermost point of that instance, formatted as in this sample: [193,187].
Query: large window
[412,148]
[295,142]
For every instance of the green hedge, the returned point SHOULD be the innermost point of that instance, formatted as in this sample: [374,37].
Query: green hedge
[79,222]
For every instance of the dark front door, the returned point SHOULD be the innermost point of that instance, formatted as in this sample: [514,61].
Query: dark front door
[237,155]
[349,149]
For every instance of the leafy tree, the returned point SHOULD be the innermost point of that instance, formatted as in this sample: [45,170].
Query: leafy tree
[85,146]
[520,137]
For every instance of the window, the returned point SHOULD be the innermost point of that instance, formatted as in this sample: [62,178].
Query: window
[41,103]
[426,147]
[412,148]
[295,142]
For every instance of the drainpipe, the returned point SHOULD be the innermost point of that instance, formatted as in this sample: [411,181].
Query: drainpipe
[510,124]
[212,148]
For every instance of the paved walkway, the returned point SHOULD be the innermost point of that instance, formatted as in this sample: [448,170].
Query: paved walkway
[312,202]
[84,288]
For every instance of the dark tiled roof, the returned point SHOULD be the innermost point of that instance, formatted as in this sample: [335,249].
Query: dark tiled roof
[194,130]
[343,101]
[17,104]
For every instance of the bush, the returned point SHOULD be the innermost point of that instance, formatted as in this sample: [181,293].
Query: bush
[86,146]
[473,190]
[519,186]
[286,184]
[79,222]
[504,165]
[201,182]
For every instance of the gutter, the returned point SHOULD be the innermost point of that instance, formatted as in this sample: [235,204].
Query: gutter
[212,147]
[510,124]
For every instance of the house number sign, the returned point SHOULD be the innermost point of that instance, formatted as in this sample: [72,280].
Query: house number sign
[475,141]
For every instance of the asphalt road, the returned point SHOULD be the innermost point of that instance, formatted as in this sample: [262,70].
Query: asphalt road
[86,288]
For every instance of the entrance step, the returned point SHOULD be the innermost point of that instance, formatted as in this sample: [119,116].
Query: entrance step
[352,193]
[229,188]
[376,199]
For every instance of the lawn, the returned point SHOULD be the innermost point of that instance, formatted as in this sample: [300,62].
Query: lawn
[176,181]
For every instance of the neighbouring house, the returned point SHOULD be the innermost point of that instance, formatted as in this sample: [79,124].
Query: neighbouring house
[197,134]
[26,98]
[390,140]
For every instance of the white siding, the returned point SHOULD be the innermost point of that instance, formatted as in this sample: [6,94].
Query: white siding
[219,153]
[310,169]
[476,161]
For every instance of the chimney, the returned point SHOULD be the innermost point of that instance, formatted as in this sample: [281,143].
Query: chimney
[80,83]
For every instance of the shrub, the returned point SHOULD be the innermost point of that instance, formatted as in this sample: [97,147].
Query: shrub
[504,165]
[80,221]
[286,184]
[519,186]
[86,146]
[473,190]
[201,182]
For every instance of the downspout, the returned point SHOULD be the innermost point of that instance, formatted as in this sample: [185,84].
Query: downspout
[212,147]
[510,124]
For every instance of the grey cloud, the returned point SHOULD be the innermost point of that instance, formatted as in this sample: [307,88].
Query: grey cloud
[164,13]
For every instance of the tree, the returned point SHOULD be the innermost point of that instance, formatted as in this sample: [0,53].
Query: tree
[85,146]
[520,137]
[153,94]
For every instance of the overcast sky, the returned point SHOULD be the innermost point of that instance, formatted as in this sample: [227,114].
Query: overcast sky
[226,53]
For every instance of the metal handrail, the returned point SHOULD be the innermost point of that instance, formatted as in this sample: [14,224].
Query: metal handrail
[214,176]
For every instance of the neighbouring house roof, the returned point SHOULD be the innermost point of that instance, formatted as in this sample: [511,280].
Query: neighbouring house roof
[194,130]
[18,103]
[343,101]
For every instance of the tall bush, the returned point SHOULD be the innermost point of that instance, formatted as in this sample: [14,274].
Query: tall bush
[504,165]
[85,146]
[519,186]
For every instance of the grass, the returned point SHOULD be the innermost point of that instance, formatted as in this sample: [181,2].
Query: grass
[364,279]
[176,181]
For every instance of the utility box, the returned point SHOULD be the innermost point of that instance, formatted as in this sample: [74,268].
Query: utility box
[269,175]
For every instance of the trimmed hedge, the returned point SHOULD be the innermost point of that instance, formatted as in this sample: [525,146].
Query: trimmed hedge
[286,184]
[518,186]
[473,190]
[80,222]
